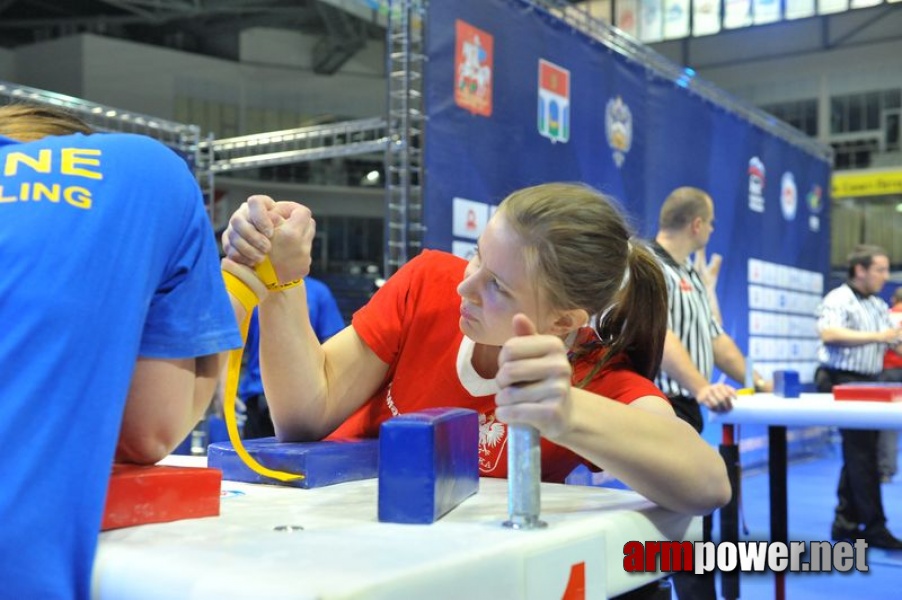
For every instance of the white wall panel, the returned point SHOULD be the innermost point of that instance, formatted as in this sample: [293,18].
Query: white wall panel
[56,65]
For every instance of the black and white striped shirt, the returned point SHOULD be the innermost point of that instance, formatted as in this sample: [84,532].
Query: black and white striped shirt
[689,318]
[845,307]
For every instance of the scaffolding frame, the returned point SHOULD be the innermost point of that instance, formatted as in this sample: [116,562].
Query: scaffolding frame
[404,177]
[317,142]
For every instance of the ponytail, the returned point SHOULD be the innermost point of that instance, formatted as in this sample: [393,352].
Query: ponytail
[637,322]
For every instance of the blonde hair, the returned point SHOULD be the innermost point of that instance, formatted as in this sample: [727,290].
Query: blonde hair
[29,122]
[577,247]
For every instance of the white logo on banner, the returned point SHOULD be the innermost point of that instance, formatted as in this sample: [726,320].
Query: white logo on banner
[815,202]
[789,197]
[470,218]
[618,126]
[756,185]
[554,101]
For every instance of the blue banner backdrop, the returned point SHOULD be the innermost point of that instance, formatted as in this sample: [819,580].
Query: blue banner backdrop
[514,97]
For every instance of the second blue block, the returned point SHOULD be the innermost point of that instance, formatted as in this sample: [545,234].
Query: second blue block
[428,464]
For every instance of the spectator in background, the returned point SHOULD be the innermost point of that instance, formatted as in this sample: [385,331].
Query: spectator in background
[888,439]
[855,330]
[326,320]
[116,321]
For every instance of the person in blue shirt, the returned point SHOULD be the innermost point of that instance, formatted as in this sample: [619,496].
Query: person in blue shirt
[115,322]
[326,320]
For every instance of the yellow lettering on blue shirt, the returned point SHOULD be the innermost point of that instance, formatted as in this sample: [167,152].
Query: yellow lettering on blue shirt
[75,195]
[73,159]
[51,193]
[78,197]
[72,162]
[42,164]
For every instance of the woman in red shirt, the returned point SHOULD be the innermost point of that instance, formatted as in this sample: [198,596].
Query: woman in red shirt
[888,440]
[557,321]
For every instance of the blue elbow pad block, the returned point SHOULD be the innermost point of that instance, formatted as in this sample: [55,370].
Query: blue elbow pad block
[786,384]
[428,464]
[321,463]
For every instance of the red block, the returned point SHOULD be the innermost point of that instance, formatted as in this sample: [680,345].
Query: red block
[869,392]
[138,495]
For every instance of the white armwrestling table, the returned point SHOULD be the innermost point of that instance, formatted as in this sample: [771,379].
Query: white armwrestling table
[273,542]
[778,413]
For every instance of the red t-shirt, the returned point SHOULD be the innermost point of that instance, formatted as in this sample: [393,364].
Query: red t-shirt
[411,323]
[892,359]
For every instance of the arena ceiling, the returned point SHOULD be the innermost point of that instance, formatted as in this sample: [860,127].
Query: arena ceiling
[208,27]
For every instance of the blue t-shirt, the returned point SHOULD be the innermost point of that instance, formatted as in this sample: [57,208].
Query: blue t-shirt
[324,316]
[107,255]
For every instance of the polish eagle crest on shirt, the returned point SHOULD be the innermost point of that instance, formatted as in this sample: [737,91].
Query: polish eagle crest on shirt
[492,439]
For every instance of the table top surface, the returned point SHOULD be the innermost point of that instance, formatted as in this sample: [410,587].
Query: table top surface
[277,542]
[811,410]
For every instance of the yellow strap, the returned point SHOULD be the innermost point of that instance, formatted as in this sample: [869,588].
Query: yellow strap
[241,292]
[248,300]
[267,274]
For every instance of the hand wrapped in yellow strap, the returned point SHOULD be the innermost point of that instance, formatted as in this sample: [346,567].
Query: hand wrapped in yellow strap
[267,274]
[243,293]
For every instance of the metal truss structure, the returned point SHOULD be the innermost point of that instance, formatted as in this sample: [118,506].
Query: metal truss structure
[186,139]
[209,156]
[347,138]
[107,118]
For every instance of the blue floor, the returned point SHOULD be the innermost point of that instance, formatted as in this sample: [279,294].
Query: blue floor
[812,496]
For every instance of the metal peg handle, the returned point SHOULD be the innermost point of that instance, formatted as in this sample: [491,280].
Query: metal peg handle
[524,470]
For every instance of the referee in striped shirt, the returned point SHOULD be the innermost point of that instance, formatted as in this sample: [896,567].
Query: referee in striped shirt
[695,341]
[855,331]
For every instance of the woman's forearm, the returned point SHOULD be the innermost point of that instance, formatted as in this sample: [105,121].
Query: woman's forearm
[311,387]
[655,453]
[292,367]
